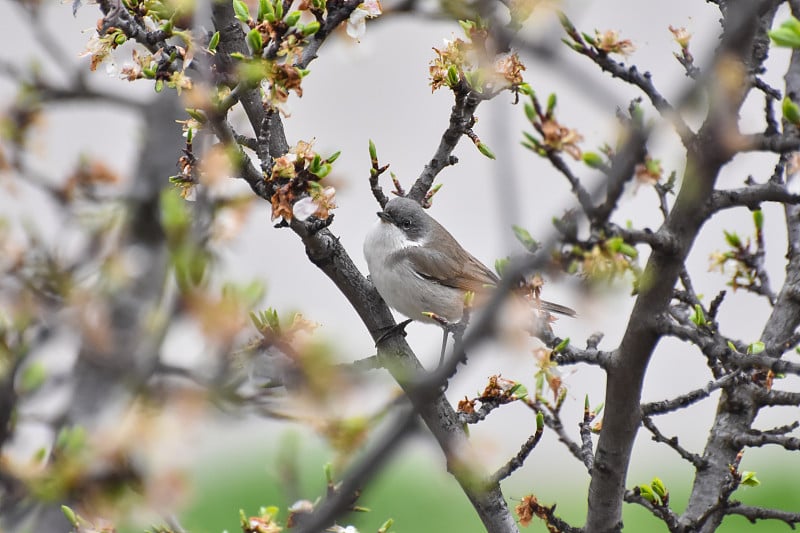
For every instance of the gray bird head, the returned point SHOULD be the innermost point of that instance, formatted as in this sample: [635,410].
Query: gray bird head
[408,216]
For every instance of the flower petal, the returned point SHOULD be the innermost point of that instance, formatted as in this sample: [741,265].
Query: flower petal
[304,208]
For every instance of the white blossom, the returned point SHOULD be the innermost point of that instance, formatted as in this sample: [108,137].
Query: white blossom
[304,208]
[357,23]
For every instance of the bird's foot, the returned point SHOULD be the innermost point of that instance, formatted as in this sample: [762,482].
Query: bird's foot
[392,330]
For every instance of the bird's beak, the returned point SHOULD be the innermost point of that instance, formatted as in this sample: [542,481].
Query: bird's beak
[383,216]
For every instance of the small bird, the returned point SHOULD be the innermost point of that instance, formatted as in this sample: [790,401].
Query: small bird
[418,267]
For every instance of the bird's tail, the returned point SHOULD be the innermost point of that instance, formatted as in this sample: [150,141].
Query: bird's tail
[544,305]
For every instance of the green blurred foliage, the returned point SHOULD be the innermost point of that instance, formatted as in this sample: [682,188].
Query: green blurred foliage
[421,497]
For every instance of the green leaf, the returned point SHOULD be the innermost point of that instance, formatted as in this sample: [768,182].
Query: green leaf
[524,237]
[593,160]
[787,35]
[659,488]
[749,479]
[467,26]
[311,28]
[628,250]
[756,348]
[334,156]
[530,112]
[518,390]
[272,319]
[525,88]
[647,493]
[292,18]
[386,526]
[191,264]
[197,114]
[532,140]
[39,456]
[614,244]
[32,377]
[452,76]
[323,171]
[278,5]
[560,347]
[71,439]
[255,41]
[732,239]
[758,219]
[637,115]
[175,216]
[474,79]
[72,518]
[565,22]
[315,163]
[482,148]
[539,421]
[248,294]
[697,316]
[266,11]
[240,8]
[373,152]
[500,265]
[551,103]
[791,112]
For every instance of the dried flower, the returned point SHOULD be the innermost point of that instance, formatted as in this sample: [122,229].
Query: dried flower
[510,68]
[99,48]
[559,138]
[525,510]
[681,36]
[610,43]
[649,172]
[282,203]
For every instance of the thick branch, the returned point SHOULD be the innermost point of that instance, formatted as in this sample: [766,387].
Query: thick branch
[751,197]
[326,251]
[706,156]
[762,439]
[760,513]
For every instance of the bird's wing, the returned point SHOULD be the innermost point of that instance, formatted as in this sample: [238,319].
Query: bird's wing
[460,270]
[557,308]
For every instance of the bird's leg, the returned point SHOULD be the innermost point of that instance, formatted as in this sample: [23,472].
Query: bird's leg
[445,331]
[391,330]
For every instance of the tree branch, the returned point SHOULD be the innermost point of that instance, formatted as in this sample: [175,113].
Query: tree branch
[462,117]
[518,460]
[751,197]
[697,461]
[687,399]
[754,514]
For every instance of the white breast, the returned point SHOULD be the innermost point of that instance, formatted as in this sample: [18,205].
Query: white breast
[397,282]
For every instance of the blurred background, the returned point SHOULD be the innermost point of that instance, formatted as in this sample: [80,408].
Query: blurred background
[222,459]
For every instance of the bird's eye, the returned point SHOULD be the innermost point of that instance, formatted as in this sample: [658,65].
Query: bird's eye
[406,224]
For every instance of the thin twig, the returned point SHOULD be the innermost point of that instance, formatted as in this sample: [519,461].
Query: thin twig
[672,442]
